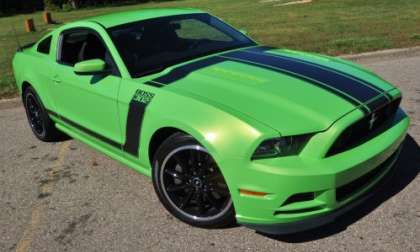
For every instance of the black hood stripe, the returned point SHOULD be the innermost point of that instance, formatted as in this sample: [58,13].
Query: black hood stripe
[336,81]
[377,103]
[266,49]
[182,71]
[337,92]
[354,90]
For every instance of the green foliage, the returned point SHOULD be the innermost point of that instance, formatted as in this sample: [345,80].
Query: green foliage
[52,5]
[415,36]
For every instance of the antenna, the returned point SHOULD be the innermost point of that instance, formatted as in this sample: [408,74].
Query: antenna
[16,37]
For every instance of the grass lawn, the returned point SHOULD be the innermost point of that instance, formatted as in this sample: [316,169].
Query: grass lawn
[328,26]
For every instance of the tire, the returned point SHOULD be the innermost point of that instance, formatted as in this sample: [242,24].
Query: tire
[39,121]
[190,185]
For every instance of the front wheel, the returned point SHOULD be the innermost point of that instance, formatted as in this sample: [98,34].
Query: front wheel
[190,185]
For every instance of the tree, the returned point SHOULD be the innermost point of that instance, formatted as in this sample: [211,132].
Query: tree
[74,3]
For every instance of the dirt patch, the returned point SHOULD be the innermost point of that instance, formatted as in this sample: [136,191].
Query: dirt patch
[294,2]
[73,228]
[285,3]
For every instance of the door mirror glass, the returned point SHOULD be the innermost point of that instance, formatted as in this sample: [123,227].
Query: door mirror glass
[90,67]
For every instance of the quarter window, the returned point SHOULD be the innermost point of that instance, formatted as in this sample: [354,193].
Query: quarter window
[44,46]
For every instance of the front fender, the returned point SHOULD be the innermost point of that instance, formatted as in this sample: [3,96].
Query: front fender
[221,130]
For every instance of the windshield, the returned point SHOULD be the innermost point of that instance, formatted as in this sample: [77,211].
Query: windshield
[149,46]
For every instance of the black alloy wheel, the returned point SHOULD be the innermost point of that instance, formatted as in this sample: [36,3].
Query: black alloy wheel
[191,185]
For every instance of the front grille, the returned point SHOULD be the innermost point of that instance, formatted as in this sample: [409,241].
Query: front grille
[365,129]
[345,191]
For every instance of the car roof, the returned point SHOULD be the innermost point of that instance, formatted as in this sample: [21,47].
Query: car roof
[119,18]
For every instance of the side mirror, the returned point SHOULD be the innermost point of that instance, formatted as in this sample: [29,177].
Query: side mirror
[90,67]
[243,31]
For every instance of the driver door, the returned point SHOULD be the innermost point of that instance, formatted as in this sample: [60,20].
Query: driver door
[87,102]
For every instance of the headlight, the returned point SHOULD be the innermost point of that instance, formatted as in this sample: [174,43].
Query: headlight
[281,146]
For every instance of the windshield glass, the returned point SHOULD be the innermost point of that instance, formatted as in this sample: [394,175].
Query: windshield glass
[149,46]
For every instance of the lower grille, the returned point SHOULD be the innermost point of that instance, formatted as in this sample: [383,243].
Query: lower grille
[365,129]
[347,190]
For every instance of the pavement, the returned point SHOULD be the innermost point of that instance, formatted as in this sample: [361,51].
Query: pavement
[67,197]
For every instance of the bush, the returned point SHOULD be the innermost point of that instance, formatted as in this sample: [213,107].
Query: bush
[19,6]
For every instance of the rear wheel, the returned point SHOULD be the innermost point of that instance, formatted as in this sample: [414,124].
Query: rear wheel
[190,185]
[42,126]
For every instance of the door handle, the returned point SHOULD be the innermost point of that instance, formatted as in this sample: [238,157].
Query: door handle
[56,79]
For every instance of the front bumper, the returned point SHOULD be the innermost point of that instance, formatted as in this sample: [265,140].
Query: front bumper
[309,191]
[310,223]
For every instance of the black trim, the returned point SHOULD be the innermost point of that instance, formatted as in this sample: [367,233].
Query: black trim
[26,46]
[299,197]
[296,211]
[346,191]
[154,84]
[86,130]
[103,72]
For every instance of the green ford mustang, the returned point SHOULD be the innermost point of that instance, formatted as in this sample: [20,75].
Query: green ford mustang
[229,130]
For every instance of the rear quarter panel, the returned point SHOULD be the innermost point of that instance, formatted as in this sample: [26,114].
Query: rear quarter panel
[36,69]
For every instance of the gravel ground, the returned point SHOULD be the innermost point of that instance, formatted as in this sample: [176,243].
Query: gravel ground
[67,197]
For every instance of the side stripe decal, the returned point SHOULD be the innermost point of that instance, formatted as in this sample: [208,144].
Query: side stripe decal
[135,116]
[86,130]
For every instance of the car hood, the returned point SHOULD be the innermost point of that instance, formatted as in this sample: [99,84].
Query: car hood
[292,92]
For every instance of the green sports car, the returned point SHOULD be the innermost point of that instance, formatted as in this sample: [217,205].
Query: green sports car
[278,140]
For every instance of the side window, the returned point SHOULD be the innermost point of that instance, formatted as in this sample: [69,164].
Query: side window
[82,45]
[71,45]
[45,45]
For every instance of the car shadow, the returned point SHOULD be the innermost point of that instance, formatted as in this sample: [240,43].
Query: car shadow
[404,171]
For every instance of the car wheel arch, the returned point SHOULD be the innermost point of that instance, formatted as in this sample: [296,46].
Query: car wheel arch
[158,137]
[161,134]
[24,86]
